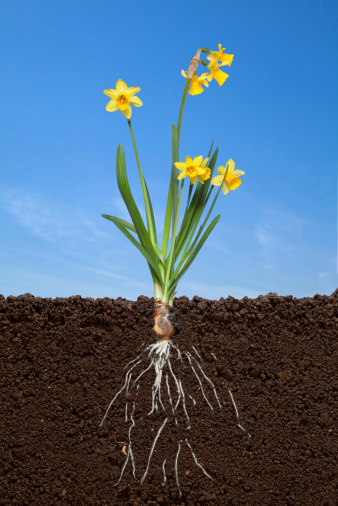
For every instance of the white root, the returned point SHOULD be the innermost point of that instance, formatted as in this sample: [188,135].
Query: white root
[130,451]
[152,450]
[184,407]
[237,415]
[145,370]
[193,400]
[159,355]
[208,380]
[170,399]
[123,468]
[193,347]
[126,413]
[164,475]
[199,381]
[129,434]
[196,461]
[176,469]
[120,391]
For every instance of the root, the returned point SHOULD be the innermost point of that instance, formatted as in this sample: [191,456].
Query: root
[152,450]
[196,461]
[157,357]
[164,475]
[176,468]
[237,414]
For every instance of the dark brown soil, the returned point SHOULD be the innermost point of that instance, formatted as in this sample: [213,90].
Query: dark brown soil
[63,361]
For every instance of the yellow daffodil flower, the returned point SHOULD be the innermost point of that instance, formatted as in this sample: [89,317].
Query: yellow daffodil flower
[121,98]
[231,180]
[196,83]
[206,175]
[193,168]
[216,73]
[225,58]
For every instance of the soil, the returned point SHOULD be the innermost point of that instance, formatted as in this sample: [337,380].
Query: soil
[63,360]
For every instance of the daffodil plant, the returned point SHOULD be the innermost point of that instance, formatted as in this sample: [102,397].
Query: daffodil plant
[170,259]
[185,231]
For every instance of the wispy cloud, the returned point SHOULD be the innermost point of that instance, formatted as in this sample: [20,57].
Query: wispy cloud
[106,271]
[279,234]
[49,219]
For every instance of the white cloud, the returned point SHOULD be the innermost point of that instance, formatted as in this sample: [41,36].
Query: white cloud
[49,219]
[279,234]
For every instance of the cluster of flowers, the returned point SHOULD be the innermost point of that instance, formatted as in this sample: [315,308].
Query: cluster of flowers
[197,169]
[217,59]
[123,97]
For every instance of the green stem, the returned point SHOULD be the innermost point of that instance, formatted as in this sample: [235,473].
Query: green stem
[186,250]
[205,220]
[169,216]
[147,203]
[170,259]
[180,116]
[186,247]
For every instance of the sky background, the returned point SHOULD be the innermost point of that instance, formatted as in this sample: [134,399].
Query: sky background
[276,116]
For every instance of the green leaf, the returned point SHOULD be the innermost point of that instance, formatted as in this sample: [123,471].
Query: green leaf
[172,193]
[145,192]
[191,257]
[120,225]
[123,184]
[196,208]
[125,223]
[175,171]
[160,255]
[151,213]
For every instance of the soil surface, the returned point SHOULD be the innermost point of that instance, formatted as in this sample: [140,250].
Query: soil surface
[63,361]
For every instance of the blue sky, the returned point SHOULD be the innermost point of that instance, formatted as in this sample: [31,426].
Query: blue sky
[276,116]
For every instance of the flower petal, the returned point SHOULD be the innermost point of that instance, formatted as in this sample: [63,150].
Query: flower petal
[182,175]
[221,170]
[205,162]
[220,76]
[126,112]
[183,73]
[217,180]
[135,101]
[238,172]
[111,93]
[230,165]
[193,179]
[201,180]
[226,59]
[233,183]
[112,106]
[188,160]
[197,160]
[207,174]
[195,88]
[131,91]
[121,86]
[200,170]
[180,165]
[225,188]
